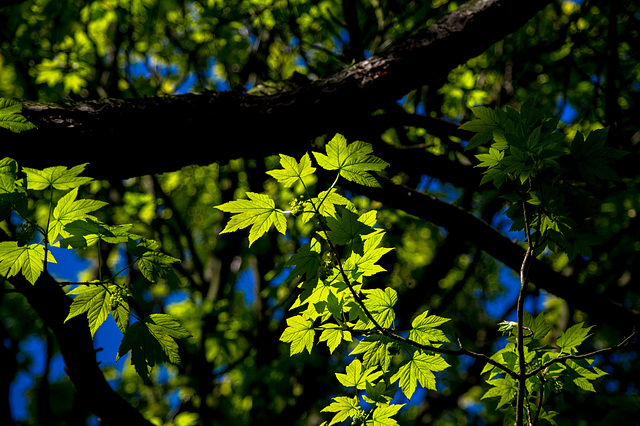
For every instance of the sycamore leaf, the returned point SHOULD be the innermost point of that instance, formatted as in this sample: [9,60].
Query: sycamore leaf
[375,350]
[419,369]
[365,264]
[88,231]
[382,415]
[152,341]
[156,266]
[306,261]
[503,388]
[292,171]
[357,376]
[259,212]
[380,303]
[10,117]
[486,122]
[95,300]
[353,161]
[325,203]
[344,407]
[57,177]
[581,373]
[299,333]
[378,393]
[424,329]
[333,334]
[593,156]
[573,337]
[68,210]
[346,228]
[28,259]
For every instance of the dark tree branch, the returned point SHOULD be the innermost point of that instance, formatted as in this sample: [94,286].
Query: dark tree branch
[209,127]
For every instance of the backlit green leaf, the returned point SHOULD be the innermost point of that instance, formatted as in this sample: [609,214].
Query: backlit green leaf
[28,259]
[357,376]
[95,300]
[353,161]
[10,117]
[299,333]
[292,171]
[259,212]
[57,177]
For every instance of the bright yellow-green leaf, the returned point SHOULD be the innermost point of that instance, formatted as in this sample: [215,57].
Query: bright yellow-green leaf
[334,335]
[382,415]
[68,210]
[419,369]
[353,161]
[299,333]
[259,212]
[357,376]
[28,259]
[292,171]
[95,300]
[57,177]
[344,407]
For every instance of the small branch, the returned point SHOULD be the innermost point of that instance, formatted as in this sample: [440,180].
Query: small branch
[564,358]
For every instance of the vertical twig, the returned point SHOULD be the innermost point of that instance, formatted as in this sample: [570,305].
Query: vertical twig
[524,272]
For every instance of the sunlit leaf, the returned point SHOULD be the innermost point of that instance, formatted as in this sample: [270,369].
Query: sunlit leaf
[259,212]
[353,161]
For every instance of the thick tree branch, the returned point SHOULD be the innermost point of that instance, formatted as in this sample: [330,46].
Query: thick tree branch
[162,134]
[52,305]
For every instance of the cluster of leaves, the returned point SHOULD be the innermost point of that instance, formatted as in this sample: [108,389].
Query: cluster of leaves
[333,304]
[546,176]
[544,170]
[550,370]
[69,223]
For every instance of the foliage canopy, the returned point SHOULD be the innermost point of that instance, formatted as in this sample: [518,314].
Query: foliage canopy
[452,186]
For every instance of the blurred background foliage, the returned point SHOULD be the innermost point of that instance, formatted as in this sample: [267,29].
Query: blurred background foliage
[582,59]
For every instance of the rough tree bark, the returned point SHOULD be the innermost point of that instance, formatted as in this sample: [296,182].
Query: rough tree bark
[218,126]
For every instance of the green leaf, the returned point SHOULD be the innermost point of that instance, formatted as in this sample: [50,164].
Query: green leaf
[380,304]
[346,228]
[333,334]
[259,212]
[379,394]
[573,337]
[88,231]
[299,333]
[424,329]
[325,203]
[365,264]
[486,122]
[156,266]
[382,415]
[593,156]
[292,171]
[28,259]
[95,300]
[503,388]
[375,350]
[57,177]
[152,341]
[353,161]
[306,261]
[10,117]
[419,369]
[344,407]
[68,210]
[357,376]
